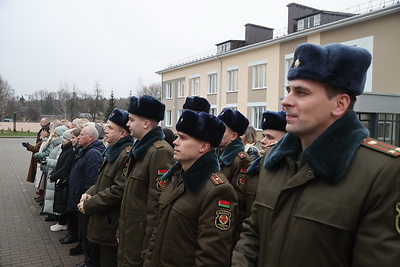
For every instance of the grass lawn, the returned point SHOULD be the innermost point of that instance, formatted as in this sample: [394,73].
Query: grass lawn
[7,133]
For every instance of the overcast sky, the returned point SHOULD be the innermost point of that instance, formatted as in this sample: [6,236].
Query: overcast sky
[46,44]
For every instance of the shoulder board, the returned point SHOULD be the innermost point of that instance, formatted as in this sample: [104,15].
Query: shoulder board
[381,147]
[158,144]
[128,148]
[216,179]
[242,155]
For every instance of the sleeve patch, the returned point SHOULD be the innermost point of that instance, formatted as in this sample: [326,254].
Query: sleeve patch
[242,155]
[223,220]
[381,147]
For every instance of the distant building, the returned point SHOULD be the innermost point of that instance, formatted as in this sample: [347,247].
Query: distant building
[250,75]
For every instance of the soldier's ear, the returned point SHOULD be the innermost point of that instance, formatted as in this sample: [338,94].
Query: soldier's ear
[205,147]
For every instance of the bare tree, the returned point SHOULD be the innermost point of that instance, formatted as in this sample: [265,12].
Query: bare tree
[152,89]
[6,94]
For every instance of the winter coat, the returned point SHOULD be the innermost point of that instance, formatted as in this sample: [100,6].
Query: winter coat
[197,217]
[337,205]
[51,162]
[106,194]
[150,158]
[33,164]
[61,172]
[84,171]
[43,153]
[234,162]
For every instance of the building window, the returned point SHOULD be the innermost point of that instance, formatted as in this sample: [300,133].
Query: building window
[179,113]
[317,20]
[384,127]
[232,80]
[259,76]
[168,91]
[212,83]
[168,118]
[213,111]
[181,88]
[300,25]
[195,86]
[288,64]
[257,116]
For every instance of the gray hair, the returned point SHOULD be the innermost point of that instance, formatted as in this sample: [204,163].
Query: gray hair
[93,132]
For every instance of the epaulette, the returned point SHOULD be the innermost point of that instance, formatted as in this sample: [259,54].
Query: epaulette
[381,147]
[215,179]
[241,155]
[158,144]
[128,148]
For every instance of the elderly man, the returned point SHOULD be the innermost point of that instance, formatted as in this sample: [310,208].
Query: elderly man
[328,195]
[103,200]
[150,157]
[198,205]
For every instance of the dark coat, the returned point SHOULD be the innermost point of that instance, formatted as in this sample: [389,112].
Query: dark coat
[84,171]
[197,217]
[335,206]
[150,158]
[61,173]
[33,164]
[106,194]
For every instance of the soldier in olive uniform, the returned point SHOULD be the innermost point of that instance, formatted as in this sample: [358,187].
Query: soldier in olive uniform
[273,125]
[198,205]
[150,157]
[327,195]
[103,200]
[233,159]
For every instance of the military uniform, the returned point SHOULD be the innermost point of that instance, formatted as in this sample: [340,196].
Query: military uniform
[234,162]
[104,203]
[197,216]
[336,205]
[151,157]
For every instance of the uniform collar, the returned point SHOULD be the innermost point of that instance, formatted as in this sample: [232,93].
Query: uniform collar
[229,153]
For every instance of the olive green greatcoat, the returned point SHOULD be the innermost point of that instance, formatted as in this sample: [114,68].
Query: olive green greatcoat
[106,195]
[150,158]
[336,206]
[195,227]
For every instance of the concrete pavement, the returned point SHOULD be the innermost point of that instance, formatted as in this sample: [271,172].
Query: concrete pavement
[25,238]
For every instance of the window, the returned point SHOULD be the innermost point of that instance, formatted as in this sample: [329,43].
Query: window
[257,116]
[300,25]
[181,88]
[288,64]
[317,20]
[195,86]
[168,90]
[179,113]
[232,85]
[259,76]
[212,83]
[213,111]
[168,118]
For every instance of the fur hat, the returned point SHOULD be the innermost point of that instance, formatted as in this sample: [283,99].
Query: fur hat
[234,120]
[119,117]
[201,125]
[341,66]
[59,130]
[274,120]
[197,103]
[67,134]
[148,107]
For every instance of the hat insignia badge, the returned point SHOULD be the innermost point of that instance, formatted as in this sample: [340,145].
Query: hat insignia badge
[296,63]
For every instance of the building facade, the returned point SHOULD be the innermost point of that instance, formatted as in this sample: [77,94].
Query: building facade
[250,75]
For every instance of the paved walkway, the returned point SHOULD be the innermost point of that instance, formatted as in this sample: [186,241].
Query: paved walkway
[25,238]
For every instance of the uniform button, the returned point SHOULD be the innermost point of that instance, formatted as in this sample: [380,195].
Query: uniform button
[309,173]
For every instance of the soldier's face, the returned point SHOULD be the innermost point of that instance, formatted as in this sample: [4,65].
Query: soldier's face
[136,125]
[112,133]
[309,112]
[187,148]
[270,136]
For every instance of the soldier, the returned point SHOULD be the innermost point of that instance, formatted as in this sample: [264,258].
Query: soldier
[102,201]
[328,195]
[233,159]
[273,125]
[150,157]
[198,205]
